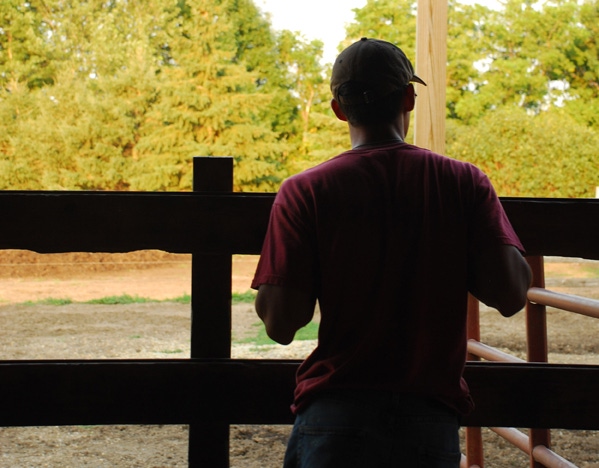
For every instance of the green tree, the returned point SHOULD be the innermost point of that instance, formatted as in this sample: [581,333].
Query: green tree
[25,55]
[209,102]
[583,77]
[137,89]
[468,52]
[80,129]
[529,55]
[120,95]
[523,157]
[391,20]
[309,88]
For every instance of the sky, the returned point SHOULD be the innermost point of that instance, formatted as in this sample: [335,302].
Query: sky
[318,19]
[315,19]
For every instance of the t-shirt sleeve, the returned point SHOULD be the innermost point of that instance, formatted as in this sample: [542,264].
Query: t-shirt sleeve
[489,225]
[288,253]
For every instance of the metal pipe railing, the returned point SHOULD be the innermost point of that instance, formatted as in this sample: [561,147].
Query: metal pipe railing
[567,302]
[540,453]
[537,444]
[549,458]
[513,436]
[489,353]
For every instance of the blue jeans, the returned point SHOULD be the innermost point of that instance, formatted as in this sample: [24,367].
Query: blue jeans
[374,429]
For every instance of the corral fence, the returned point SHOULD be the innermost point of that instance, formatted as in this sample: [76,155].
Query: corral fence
[210,391]
[537,444]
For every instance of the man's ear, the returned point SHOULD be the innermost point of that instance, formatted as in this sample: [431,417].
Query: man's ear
[337,110]
[409,98]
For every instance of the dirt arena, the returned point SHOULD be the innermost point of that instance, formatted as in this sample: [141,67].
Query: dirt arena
[161,330]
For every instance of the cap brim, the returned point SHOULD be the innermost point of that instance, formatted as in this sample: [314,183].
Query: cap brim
[417,79]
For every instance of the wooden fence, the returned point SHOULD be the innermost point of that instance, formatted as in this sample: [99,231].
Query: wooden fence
[210,391]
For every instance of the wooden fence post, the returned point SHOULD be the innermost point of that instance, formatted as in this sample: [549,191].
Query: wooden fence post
[210,314]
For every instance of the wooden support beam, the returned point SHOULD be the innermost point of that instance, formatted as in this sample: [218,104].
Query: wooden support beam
[431,65]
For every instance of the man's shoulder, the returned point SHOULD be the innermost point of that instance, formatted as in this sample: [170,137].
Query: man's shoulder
[437,157]
[321,170]
[446,163]
[409,157]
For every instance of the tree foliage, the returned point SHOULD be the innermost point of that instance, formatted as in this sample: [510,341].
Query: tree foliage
[525,155]
[121,94]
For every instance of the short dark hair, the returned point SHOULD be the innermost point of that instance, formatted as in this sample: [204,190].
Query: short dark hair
[370,112]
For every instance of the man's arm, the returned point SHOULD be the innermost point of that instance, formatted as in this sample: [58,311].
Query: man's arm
[500,278]
[284,311]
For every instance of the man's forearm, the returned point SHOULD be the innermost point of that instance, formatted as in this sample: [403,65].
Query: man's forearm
[284,311]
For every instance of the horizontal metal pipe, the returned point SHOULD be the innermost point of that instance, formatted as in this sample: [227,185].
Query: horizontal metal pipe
[540,453]
[550,459]
[568,302]
[490,354]
[514,436]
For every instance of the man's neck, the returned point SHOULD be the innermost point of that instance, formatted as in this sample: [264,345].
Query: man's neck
[377,135]
[365,139]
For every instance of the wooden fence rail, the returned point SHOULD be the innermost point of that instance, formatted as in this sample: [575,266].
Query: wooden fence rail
[188,391]
[210,390]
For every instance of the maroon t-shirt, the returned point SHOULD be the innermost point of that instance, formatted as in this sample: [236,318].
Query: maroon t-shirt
[384,238]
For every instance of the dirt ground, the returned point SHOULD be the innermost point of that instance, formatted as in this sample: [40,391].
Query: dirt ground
[161,330]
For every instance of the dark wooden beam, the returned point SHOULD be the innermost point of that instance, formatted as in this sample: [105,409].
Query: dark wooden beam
[145,392]
[38,393]
[556,226]
[533,395]
[50,222]
[233,223]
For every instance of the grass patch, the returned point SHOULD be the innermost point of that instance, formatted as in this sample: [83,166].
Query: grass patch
[236,298]
[243,298]
[184,299]
[309,332]
[592,270]
[122,299]
[51,301]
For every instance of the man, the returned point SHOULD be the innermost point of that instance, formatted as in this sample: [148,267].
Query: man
[389,238]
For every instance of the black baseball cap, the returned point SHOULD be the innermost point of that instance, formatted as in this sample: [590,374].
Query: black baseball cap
[370,69]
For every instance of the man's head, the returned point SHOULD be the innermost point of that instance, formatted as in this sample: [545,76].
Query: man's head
[369,80]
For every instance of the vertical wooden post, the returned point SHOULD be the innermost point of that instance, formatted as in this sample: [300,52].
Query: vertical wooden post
[210,314]
[536,344]
[431,65]
[474,440]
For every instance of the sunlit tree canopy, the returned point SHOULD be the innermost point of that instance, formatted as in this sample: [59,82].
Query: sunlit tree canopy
[121,94]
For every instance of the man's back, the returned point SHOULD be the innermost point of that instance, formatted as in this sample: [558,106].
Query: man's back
[390,231]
